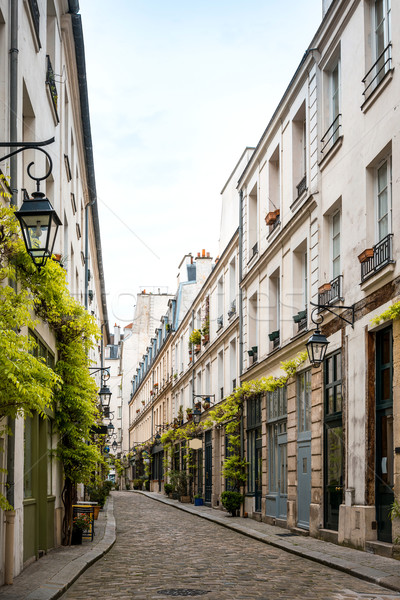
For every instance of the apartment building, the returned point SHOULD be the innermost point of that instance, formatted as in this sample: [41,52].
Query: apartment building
[319,220]
[44,95]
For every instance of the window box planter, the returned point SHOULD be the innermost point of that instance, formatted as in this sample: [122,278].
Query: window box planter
[300,316]
[272,216]
[197,348]
[274,335]
[325,287]
[366,254]
[206,338]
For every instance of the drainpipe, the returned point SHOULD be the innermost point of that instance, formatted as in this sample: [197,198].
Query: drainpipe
[10,514]
[86,255]
[193,392]
[241,324]
[240,279]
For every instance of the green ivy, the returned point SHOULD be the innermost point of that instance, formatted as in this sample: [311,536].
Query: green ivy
[27,385]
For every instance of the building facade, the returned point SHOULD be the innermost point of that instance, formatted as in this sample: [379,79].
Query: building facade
[316,244]
[43,95]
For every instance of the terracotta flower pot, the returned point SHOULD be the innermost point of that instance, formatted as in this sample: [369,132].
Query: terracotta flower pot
[272,216]
[325,287]
[366,254]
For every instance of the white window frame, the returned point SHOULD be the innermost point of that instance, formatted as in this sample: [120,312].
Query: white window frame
[388,161]
[332,239]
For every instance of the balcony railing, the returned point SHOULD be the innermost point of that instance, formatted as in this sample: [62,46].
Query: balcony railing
[334,294]
[331,134]
[302,186]
[382,256]
[378,71]
[50,80]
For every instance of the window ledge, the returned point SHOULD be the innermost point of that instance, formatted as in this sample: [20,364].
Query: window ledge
[366,105]
[252,258]
[274,233]
[373,280]
[299,200]
[52,106]
[331,153]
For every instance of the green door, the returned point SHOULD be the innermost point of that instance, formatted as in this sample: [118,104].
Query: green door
[384,478]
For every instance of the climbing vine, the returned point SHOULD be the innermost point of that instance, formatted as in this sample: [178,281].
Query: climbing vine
[27,384]
[393,312]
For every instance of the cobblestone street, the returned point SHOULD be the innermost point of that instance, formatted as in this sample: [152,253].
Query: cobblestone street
[162,552]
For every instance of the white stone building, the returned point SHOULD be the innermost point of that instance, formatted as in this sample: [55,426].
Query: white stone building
[43,94]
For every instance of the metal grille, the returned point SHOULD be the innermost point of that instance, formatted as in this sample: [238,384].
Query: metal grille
[382,256]
[302,186]
[378,71]
[332,134]
[334,294]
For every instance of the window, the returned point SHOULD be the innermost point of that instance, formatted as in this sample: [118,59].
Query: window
[382,14]
[299,153]
[384,198]
[378,50]
[277,440]
[252,223]
[253,441]
[335,231]
[333,116]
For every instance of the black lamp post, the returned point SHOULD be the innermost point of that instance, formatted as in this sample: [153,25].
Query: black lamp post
[114,446]
[317,344]
[316,348]
[38,219]
[39,225]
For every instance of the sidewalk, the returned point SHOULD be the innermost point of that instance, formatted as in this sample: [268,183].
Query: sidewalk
[370,567]
[49,577]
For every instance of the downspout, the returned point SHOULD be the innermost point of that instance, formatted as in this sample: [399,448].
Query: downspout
[10,514]
[193,392]
[241,324]
[86,255]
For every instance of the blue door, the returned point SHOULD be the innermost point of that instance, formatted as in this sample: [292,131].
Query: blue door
[303,449]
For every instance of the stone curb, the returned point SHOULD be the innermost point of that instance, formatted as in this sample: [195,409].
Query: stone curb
[360,571]
[58,585]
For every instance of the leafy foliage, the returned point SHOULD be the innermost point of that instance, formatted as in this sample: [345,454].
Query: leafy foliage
[232,501]
[27,385]
[393,312]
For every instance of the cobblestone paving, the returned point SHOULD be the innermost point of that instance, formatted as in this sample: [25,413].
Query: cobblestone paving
[161,552]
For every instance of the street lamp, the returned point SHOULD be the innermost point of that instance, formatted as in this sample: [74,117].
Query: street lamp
[38,219]
[114,446]
[317,344]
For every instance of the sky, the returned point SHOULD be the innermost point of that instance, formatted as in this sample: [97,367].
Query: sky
[177,90]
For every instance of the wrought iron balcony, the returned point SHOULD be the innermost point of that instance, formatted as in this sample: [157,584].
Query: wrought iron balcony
[334,293]
[220,322]
[378,71]
[382,256]
[302,186]
[50,80]
[331,135]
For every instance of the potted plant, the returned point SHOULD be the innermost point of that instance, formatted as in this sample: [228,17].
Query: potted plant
[80,523]
[232,501]
[195,337]
[272,217]
[189,413]
[198,500]
[206,331]
[168,489]
[325,287]
[366,254]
